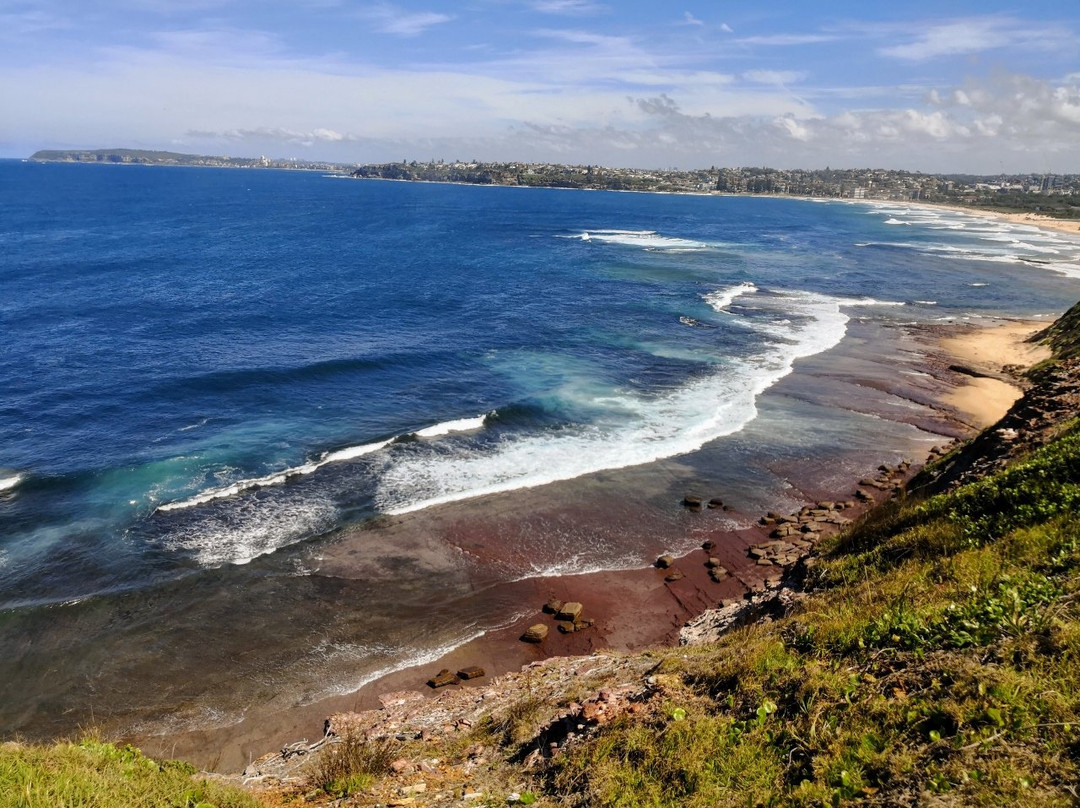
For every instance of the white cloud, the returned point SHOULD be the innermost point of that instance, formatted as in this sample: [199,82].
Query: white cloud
[777,78]
[584,37]
[727,29]
[975,35]
[570,8]
[390,19]
[951,39]
[787,40]
[690,19]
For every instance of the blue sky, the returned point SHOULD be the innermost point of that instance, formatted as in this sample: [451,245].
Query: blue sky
[942,86]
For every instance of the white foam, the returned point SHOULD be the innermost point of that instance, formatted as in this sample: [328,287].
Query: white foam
[337,456]
[325,654]
[894,221]
[217,538]
[722,298]
[445,428]
[7,483]
[352,452]
[662,426]
[645,239]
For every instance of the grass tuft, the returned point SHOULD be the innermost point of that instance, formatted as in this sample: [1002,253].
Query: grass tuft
[351,765]
[96,774]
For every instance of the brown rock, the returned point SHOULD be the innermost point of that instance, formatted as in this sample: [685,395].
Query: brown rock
[708,544]
[665,561]
[716,502]
[713,562]
[471,672]
[552,606]
[535,633]
[570,611]
[442,679]
[674,575]
[566,626]
[692,501]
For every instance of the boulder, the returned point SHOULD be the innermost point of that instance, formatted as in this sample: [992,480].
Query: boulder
[691,501]
[535,633]
[570,611]
[471,672]
[552,606]
[708,544]
[712,562]
[665,561]
[442,679]
[715,503]
[567,626]
[674,575]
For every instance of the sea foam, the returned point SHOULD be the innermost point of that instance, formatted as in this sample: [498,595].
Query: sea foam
[336,456]
[722,298]
[677,422]
[645,239]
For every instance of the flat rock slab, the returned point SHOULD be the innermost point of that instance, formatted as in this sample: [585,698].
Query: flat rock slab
[535,633]
[570,611]
[442,679]
[471,672]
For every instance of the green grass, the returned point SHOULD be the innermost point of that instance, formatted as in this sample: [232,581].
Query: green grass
[350,766]
[940,656]
[102,775]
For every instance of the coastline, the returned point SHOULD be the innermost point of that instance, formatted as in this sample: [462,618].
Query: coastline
[634,609]
[1068,226]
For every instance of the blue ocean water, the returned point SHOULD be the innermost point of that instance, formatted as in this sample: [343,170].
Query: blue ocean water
[204,366]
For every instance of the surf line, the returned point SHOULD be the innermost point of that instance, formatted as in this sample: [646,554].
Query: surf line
[337,456]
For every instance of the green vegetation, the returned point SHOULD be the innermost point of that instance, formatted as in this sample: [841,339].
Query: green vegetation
[1064,335]
[351,766]
[940,655]
[96,774]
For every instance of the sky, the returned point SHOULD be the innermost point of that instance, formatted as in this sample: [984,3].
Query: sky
[955,86]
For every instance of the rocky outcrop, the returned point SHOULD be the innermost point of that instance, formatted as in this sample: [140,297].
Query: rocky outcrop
[1044,409]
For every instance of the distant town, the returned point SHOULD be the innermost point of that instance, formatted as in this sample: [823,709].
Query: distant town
[1050,194]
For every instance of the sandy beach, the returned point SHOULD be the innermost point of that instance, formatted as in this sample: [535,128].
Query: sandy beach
[1070,226]
[992,352]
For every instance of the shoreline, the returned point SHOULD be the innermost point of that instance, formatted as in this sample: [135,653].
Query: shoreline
[1068,226]
[634,609]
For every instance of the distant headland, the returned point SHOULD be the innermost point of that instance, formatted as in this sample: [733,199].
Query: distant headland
[1053,195]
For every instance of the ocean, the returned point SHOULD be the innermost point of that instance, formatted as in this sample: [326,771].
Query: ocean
[219,384]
